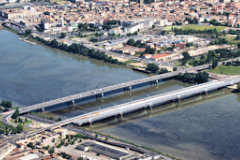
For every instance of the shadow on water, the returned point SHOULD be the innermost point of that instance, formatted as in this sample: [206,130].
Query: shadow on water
[160,110]
[121,97]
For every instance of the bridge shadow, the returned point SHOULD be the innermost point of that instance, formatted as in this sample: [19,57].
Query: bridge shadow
[158,110]
[108,101]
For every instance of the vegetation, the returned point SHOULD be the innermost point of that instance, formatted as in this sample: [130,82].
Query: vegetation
[7,129]
[152,67]
[81,50]
[186,58]
[46,116]
[62,35]
[65,155]
[226,70]
[203,28]
[215,56]
[192,20]
[6,104]
[28,32]
[148,1]
[15,115]
[200,77]
[31,145]
[194,31]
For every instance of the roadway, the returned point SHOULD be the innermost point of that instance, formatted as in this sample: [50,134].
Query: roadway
[107,89]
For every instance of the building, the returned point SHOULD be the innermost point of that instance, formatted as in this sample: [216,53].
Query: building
[160,57]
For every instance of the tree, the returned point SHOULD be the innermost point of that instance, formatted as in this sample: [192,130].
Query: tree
[214,63]
[152,67]
[131,42]
[62,35]
[186,57]
[51,150]
[28,32]
[6,104]
[19,128]
[15,114]
[30,145]
[238,45]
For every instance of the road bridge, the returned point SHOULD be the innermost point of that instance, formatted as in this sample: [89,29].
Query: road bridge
[108,90]
[148,102]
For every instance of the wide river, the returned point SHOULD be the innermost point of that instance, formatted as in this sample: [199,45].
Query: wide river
[201,128]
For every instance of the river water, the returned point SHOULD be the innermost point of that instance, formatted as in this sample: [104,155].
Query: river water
[201,128]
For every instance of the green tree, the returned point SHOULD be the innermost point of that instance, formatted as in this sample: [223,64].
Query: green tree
[19,128]
[6,104]
[152,67]
[15,114]
[186,58]
[28,32]
[30,145]
[62,35]
[214,63]
[51,151]
[131,42]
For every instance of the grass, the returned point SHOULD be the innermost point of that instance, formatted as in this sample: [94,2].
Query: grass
[226,70]
[169,28]
[196,27]
[24,122]
[231,39]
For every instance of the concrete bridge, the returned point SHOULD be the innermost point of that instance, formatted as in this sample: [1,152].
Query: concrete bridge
[109,90]
[144,103]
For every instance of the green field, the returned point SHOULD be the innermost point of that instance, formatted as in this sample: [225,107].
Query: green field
[196,27]
[231,39]
[169,28]
[226,70]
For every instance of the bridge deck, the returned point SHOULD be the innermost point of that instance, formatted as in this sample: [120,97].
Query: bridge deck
[107,89]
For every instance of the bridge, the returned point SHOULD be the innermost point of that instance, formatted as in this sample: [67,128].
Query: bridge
[108,90]
[148,102]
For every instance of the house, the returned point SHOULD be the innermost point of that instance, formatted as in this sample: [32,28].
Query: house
[116,30]
[147,56]
[131,50]
[159,57]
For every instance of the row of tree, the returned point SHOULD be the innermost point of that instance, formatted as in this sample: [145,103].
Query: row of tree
[199,77]
[178,31]
[81,50]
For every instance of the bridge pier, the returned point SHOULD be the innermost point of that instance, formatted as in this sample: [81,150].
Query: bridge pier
[90,122]
[43,109]
[150,106]
[178,99]
[157,83]
[206,92]
[71,104]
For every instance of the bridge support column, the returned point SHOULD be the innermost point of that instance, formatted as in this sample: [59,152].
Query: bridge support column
[43,109]
[150,106]
[130,90]
[157,83]
[206,92]
[102,96]
[178,99]
[90,122]
[121,115]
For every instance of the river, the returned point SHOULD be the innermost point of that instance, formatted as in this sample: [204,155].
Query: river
[200,128]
